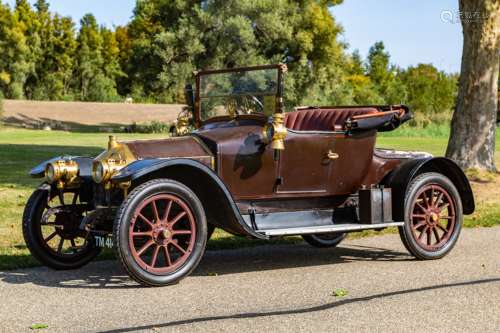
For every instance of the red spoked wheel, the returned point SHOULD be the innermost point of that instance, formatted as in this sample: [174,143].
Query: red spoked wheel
[433,216]
[162,233]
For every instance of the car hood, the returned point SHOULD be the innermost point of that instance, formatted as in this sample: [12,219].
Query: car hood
[178,147]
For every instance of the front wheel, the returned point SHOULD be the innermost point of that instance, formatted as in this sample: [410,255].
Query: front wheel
[433,216]
[51,229]
[160,232]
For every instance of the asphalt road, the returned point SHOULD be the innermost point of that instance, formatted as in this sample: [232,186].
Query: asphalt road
[281,288]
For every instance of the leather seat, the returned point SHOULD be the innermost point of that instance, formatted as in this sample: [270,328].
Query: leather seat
[326,119]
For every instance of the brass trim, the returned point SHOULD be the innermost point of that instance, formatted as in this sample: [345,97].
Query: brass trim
[182,122]
[331,155]
[280,131]
[64,173]
[112,160]
[112,143]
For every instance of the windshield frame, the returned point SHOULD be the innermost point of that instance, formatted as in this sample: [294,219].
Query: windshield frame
[281,69]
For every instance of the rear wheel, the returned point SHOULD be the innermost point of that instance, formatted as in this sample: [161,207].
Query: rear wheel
[160,232]
[324,240]
[433,216]
[51,222]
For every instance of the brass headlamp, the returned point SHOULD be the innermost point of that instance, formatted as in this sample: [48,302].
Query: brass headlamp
[61,172]
[102,171]
[111,161]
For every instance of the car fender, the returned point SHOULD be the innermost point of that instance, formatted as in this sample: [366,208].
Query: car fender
[399,179]
[217,200]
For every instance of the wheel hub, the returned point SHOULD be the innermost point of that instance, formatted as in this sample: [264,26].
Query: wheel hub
[162,235]
[66,224]
[166,233]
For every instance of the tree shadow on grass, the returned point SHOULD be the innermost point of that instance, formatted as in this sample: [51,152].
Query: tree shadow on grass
[109,275]
[24,121]
[17,160]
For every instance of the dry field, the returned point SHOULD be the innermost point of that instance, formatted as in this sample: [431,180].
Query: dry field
[79,115]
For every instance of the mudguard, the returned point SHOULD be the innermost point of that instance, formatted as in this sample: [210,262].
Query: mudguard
[212,192]
[400,178]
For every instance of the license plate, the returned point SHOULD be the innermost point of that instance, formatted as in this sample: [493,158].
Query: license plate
[104,241]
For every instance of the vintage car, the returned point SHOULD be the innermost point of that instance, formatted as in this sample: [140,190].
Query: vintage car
[241,163]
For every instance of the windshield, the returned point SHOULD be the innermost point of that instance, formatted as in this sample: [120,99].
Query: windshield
[237,93]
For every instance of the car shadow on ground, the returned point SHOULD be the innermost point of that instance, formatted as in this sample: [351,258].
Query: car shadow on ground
[109,274]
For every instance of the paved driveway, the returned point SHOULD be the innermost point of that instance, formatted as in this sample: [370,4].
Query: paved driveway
[274,289]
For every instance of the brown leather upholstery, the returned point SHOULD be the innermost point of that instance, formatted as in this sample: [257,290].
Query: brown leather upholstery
[323,119]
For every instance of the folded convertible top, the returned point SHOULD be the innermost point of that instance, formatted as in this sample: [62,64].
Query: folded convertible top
[387,119]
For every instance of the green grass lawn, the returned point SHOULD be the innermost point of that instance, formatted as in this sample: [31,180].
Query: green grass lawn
[22,149]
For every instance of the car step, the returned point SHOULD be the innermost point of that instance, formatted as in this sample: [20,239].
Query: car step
[328,228]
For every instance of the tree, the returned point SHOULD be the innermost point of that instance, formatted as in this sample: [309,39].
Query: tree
[55,69]
[42,6]
[384,76]
[124,44]
[430,91]
[302,34]
[472,138]
[379,65]
[96,65]
[30,25]
[14,62]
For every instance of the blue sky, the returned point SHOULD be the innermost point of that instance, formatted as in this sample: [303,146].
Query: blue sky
[413,31]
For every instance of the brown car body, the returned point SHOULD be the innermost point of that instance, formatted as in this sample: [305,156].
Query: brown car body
[311,171]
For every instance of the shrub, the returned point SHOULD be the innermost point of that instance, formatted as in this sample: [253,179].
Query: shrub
[155,127]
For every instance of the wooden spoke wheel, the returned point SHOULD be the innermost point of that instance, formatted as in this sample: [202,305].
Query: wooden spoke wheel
[433,216]
[160,232]
[51,229]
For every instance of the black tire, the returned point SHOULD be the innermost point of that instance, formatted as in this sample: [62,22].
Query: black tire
[132,261]
[34,238]
[448,235]
[324,240]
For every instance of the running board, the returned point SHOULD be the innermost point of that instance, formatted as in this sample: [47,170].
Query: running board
[328,228]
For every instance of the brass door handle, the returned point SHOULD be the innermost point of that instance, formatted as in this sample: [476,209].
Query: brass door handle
[331,155]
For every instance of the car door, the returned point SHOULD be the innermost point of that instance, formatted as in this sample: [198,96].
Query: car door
[246,165]
[304,165]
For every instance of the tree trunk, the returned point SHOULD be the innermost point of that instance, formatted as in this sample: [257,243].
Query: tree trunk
[472,138]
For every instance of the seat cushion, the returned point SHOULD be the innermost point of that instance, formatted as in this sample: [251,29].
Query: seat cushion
[323,119]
